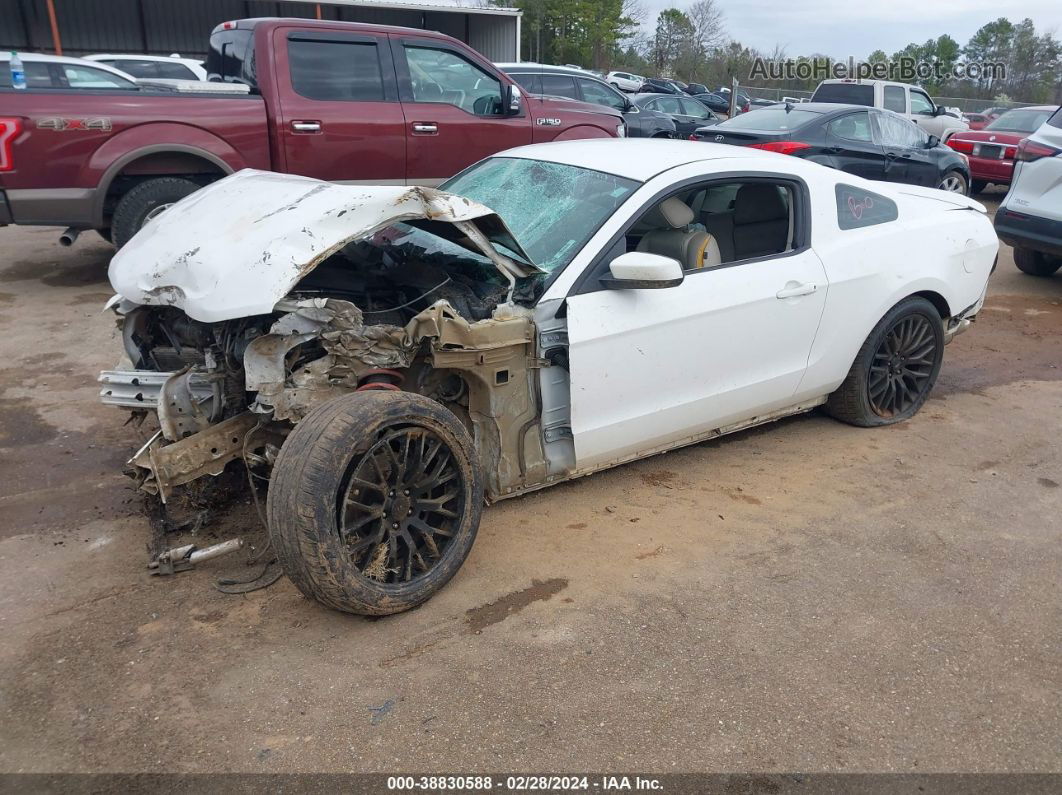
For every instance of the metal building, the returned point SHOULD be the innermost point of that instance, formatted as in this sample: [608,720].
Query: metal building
[162,27]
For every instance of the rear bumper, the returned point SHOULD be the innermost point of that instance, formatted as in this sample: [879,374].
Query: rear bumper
[996,171]
[1022,230]
[52,207]
[5,210]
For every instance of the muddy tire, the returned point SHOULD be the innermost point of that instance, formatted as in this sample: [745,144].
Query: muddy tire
[375,501]
[143,202]
[895,369]
[1035,263]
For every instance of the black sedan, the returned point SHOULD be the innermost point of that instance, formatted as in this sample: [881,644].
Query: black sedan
[660,85]
[715,102]
[868,142]
[560,81]
[687,113]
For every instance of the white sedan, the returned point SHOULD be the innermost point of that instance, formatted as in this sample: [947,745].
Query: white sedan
[389,358]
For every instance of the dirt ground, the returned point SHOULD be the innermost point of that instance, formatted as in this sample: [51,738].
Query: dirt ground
[806,596]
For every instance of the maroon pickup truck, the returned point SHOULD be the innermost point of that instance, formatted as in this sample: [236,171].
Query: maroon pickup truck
[339,101]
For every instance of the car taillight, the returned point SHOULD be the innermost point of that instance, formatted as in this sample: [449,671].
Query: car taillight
[747,107]
[9,130]
[782,147]
[1028,151]
[966,147]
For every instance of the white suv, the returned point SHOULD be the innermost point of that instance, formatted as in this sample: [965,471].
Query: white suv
[1030,218]
[625,81]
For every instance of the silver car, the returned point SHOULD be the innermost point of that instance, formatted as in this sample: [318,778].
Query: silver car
[1030,218]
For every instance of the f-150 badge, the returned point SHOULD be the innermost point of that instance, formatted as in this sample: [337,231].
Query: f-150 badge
[549,122]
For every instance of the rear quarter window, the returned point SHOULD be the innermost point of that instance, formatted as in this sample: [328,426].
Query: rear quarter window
[1056,119]
[845,93]
[858,208]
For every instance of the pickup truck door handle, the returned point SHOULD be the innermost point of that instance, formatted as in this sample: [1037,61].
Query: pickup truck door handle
[425,128]
[795,289]
[306,126]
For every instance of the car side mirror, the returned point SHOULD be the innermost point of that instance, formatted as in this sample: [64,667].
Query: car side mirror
[933,142]
[639,270]
[511,100]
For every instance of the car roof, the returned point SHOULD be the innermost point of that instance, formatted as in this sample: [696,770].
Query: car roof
[838,80]
[1032,107]
[37,57]
[128,56]
[643,158]
[529,67]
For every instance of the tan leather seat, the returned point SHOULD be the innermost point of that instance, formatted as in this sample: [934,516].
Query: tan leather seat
[671,236]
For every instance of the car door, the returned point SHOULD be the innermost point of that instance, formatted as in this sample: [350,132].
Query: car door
[652,367]
[697,113]
[672,106]
[906,158]
[851,146]
[339,118]
[923,113]
[453,110]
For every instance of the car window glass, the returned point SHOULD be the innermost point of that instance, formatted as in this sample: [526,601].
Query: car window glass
[896,131]
[920,104]
[551,209]
[1020,120]
[601,95]
[895,99]
[853,127]
[858,208]
[845,93]
[559,86]
[335,70]
[175,71]
[37,74]
[138,68]
[669,105]
[86,77]
[692,107]
[443,76]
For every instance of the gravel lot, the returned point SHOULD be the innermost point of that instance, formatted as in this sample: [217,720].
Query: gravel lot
[805,596]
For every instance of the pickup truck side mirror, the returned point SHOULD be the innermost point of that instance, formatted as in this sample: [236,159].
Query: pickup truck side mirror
[639,270]
[511,100]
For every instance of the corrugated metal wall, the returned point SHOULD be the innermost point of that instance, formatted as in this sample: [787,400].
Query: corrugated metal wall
[161,27]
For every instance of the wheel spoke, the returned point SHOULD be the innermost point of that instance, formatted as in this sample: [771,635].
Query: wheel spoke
[400,507]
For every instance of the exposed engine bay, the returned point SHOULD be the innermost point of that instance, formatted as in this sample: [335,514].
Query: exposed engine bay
[422,305]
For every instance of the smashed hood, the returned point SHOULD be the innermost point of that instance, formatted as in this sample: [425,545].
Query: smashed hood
[239,245]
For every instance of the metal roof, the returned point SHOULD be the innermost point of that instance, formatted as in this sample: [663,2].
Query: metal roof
[458,6]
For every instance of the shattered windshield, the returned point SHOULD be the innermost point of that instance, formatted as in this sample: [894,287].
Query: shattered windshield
[552,209]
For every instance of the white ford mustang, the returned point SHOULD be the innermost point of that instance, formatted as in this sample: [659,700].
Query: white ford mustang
[390,358]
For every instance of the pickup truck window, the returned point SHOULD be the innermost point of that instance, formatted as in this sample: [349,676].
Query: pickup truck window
[231,57]
[845,94]
[38,75]
[921,104]
[336,70]
[895,99]
[443,76]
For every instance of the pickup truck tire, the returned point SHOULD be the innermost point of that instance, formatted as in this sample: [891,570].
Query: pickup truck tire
[1035,263]
[375,501]
[895,369]
[140,203]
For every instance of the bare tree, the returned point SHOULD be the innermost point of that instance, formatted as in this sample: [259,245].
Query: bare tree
[708,28]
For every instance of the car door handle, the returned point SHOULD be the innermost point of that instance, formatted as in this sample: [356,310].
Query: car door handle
[306,126]
[425,128]
[795,289]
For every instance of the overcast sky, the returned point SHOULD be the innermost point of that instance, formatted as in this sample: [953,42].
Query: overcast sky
[857,27]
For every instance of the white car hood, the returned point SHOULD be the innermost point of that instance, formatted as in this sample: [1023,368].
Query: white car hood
[239,245]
